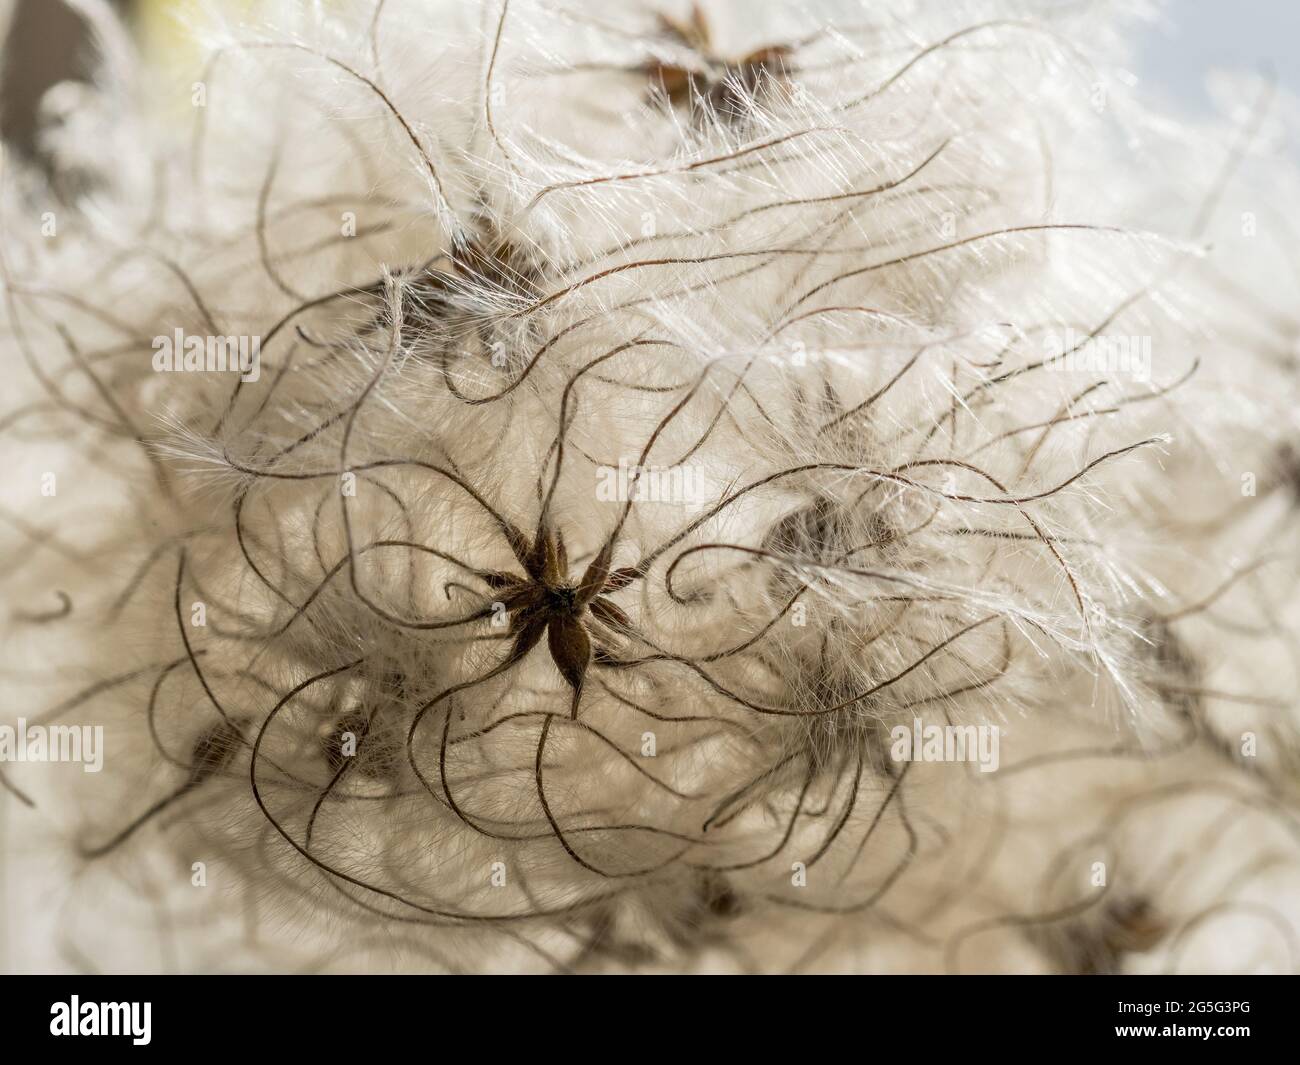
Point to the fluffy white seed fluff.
(878, 363)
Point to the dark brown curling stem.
(212, 752)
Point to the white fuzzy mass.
(653, 421)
